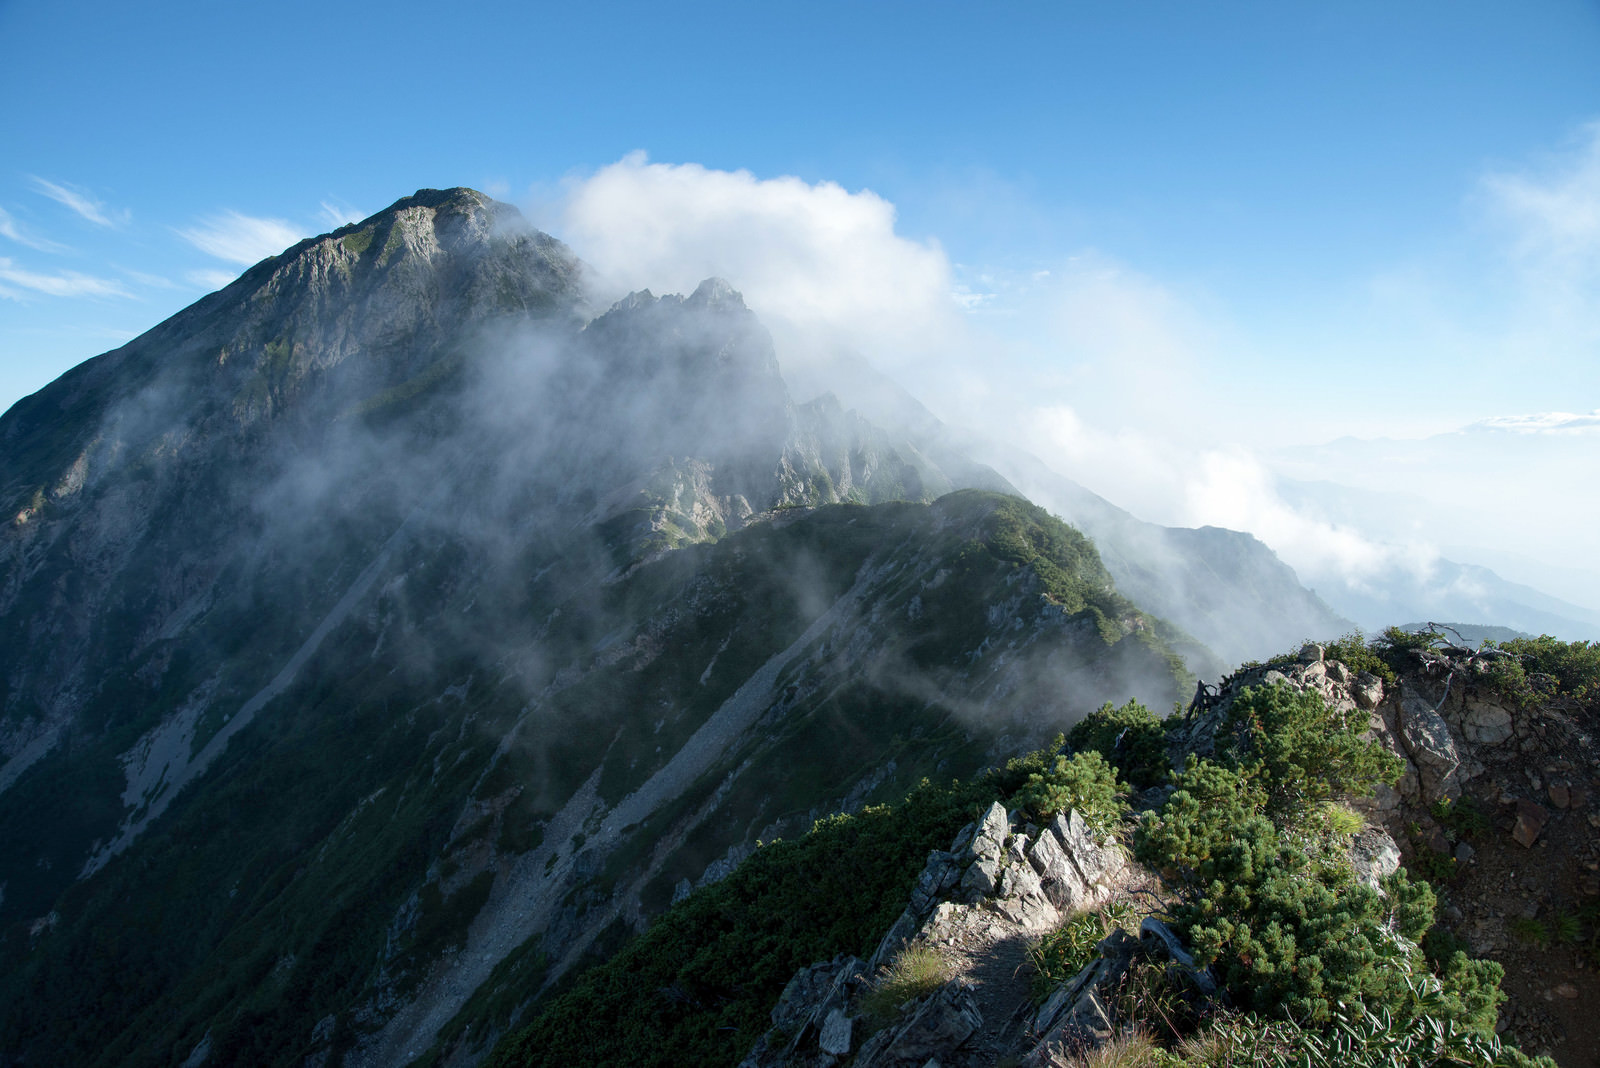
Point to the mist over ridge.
(400, 616)
(391, 631)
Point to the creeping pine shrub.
(1543, 668)
(1292, 937)
(1300, 752)
(1084, 782)
(1131, 737)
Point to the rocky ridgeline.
(978, 907)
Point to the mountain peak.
(716, 292)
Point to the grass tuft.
(918, 970)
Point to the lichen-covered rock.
(1098, 862)
(811, 1025)
(1079, 1015)
(904, 929)
(1374, 855)
(835, 1034)
(990, 836)
(939, 877)
(1020, 880)
(982, 879)
(1486, 722)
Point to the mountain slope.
(386, 632)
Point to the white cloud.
(63, 284)
(80, 201)
(1551, 214)
(1225, 485)
(154, 281)
(1232, 488)
(814, 258)
(338, 214)
(241, 239)
(1540, 423)
(209, 279)
(1558, 211)
(10, 229)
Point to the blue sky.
(1306, 221)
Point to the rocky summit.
(391, 637)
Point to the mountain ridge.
(336, 637)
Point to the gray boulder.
(1486, 723)
(938, 1028)
(1367, 689)
(1062, 884)
(1374, 855)
(1426, 738)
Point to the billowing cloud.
(9, 228)
(814, 257)
(80, 201)
(1223, 485)
(242, 239)
(62, 283)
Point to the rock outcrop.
(977, 907)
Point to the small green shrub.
(1130, 737)
(1529, 930)
(1083, 781)
(1355, 652)
(1463, 818)
(1064, 952)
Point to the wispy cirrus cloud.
(10, 228)
(239, 238)
(81, 201)
(337, 213)
(1557, 209)
(62, 284)
(209, 279)
(1540, 423)
(153, 281)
